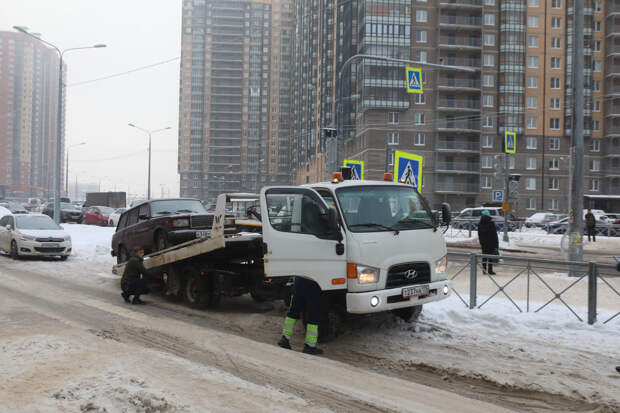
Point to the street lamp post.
(149, 132)
(59, 109)
(67, 168)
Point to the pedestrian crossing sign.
(414, 80)
(510, 142)
(408, 169)
(357, 168)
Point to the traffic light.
(498, 166)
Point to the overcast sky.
(137, 33)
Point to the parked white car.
(33, 235)
(115, 216)
(540, 219)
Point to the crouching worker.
(307, 296)
(135, 278)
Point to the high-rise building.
(28, 116)
(235, 96)
(609, 49)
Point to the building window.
(556, 43)
(556, 62)
(597, 26)
(532, 102)
(554, 144)
(418, 118)
(530, 184)
(530, 163)
(597, 66)
(420, 36)
(554, 123)
(532, 62)
(598, 7)
(597, 46)
(596, 85)
(555, 103)
(532, 41)
(489, 2)
(596, 125)
(554, 204)
(554, 184)
(532, 122)
(556, 4)
(594, 185)
(421, 56)
(487, 141)
(487, 101)
(488, 81)
(489, 19)
(419, 99)
(533, 3)
(511, 162)
(393, 118)
(488, 60)
(532, 21)
(555, 83)
(595, 145)
(532, 82)
(531, 204)
(419, 139)
(486, 182)
(421, 16)
(595, 165)
(556, 22)
(530, 142)
(489, 39)
(488, 122)
(554, 164)
(393, 138)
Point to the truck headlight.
(367, 275)
(441, 265)
(180, 223)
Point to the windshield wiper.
(187, 210)
(163, 213)
(418, 220)
(374, 224)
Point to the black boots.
(137, 300)
(312, 350)
(284, 343)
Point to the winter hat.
(487, 213)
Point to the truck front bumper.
(392, 299)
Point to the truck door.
(299, 240)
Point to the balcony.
(457, 166)
(385, 83)
(453, 145)
(510, 27)
(452, 84)
(459, 105)
(461, 43)
(460, 61)
(612, 171)
(461, 22)
(460, 4)
(456, 187)
(445, 125)
(612, 91)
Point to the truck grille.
(408, 274)
(50, 240)
(201, 221)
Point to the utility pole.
(575, 213)
(506, 193)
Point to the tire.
(14, 250)
(199, 290)
(330, 326)
(161, 241)
(408, 314)
(121, 255)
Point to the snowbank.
(90, 243)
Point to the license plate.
(202, 234)
(415, 291)
(51, 245)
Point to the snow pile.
(90, 243)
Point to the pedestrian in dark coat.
(135, 278)
(487, 236)
(591, 225)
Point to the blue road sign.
(357, 168)
(498, 195)
(408, 169)
(510, 142)
(414, 80)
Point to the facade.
(234, 96)
(521, 55)
(28, 117)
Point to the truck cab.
(371, 246)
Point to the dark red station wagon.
(157, 224)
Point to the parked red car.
(97, 215)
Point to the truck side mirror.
(446, 213)
(332, 220)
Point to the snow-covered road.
(69, 332)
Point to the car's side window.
(132, 217)
(143, 211)
(4, 221)
(122, 222)
(297, 211)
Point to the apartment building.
(234, 96)
(610, 104)
(28, 116)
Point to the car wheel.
(161, 241)
(14, 250)
(121, 256)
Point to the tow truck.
(371, 246)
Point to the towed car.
(33, 235)
(68, 212)
(155, 225)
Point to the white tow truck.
(371, 246)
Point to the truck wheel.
(199, 290)
(408, 314)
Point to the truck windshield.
(177, 206)
(383, 208)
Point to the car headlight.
(441, 265)
(24, 237)
(67, 238)
(367, 275)
(180, 223)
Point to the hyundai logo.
(410, 274)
